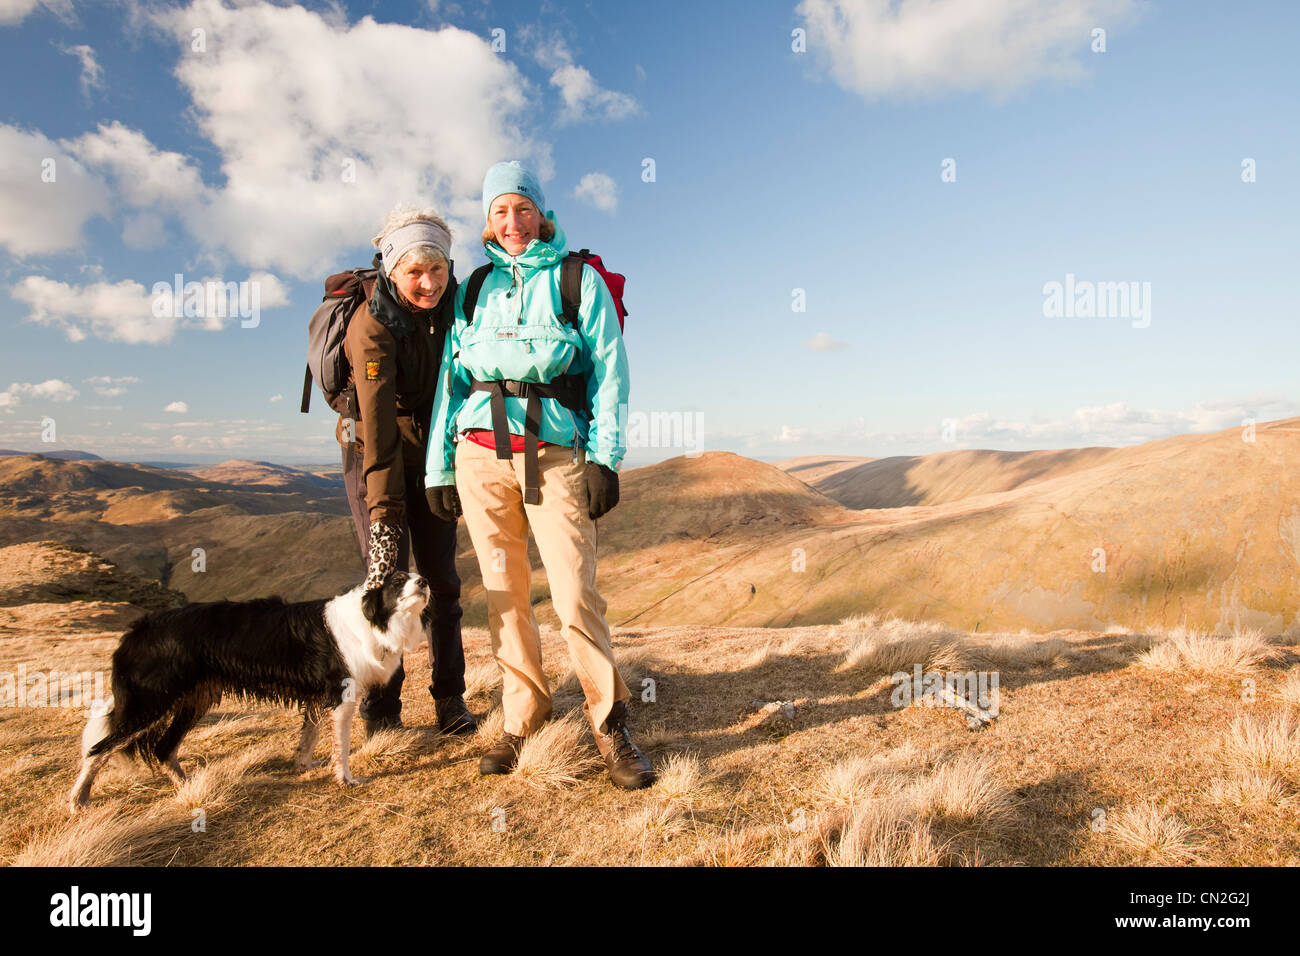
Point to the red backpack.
(570, 286)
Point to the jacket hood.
(538, 254)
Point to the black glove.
(602, 489)
(444, 502)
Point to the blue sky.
(924, 326)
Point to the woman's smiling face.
(421, 283)
(515, 221)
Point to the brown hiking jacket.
(395, 381)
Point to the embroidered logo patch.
(507, 333)
(372, 371)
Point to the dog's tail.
(98, 727)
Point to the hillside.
(935, 479)
(1107, 749)
(1197, 530)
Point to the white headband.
(419, 233)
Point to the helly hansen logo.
(507, 333)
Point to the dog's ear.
(372, 606)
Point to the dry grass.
(106, 836)
(897, 810)
(214, 786)
(1250, 790)
(881, 833)
(1290, 691)
(964, 789)
(679, 777)
(1198, 652)
(657, 821)
(898, 645)
(1023, 651)
(481, 677)
(558, 755)
(1266, 744)
(1154, 836)
(856, 781)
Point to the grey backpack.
(327, 362)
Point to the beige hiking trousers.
(498, 519)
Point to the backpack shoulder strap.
(571, 284)
(472, 288)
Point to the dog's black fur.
(172, 666)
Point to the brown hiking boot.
(503, 755)
(628, 767)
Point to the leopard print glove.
(383, 553)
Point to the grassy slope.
(1084, 726)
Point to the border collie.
(173, 665)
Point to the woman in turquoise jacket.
(527, 434)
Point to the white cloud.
(598, 190)
(118, 312)
(128, 312)
(143, 175)
(15, 11)
(92, 74)
(177, 408)
(299, 102)
(110, 387)
(1116, 424)
(584, 98)
(51, 390)
(823, 342)
(276, 398)
(878, 48)
(39, 216)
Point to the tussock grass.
(490, 727)
(1022, 651)
(659, 820)
(558, 755)
(390, 742)
(964, 789)
(107, 836)
(896, 810)
(1290, 691)
(1249, 790)
(214, 785)
(883, 832)
(1154, 836)
(746, 846)
(859, 622)
(1200, 652)
(898, 645)
(1268, 744)
(855, 780)
(656, 734)
(482, 677)
(679, 777)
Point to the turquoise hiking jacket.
(519, 333)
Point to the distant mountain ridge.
(1198, 530)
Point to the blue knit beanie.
(511, 177)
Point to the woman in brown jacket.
(394, 345)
